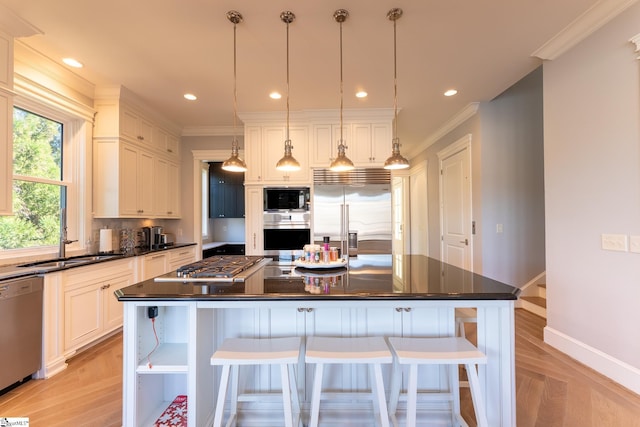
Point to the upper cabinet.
(135, 161)
(226, 192)
(314, 135)
(264, 147)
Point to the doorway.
(455, 204)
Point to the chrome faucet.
(64, 242)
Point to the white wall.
(592, 186)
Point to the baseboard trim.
(620, 372)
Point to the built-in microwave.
(286, 199)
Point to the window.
(38, 187)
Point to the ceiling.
(161, 49)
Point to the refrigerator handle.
(345, 250)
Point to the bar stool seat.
(451, 351)
(235, 352)
(372, 351)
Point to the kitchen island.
(376, 295)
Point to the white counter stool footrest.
(451, 351)
(235, 352)
(372, 351)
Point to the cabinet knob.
(140, 138)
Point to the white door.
(455, 203)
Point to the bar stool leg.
(476, 395)
(396, 380)
(286, 395)
(377, 386)
(412, 395)
(315, 395)
(222, 392)
(293, 386)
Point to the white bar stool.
(249, 351)
(452, 351)
(372, 351)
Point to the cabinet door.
(161, 190)
(253, 153)
(173, 200)
(83, 315)
(216, 190)
(112, 308)
(154, 265)
(323, 150)
(381, 136)
(360, 145)
(253, 223)
(128, 180)
(273, 143)
(145, 183)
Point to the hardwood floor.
(552, 389)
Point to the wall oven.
(285, 233)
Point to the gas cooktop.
(219, 268)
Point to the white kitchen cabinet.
(154, 264)
(165, 189)
(166, 143)
(370, 144)
(254, 236)
(264, 146)
(136, 181)
(324, 143)
(135, 127)
(181, 256)
(91, 309)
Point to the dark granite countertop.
(13, 271)
(371, 277)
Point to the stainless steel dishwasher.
(20, 329)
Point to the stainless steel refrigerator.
(354, 210)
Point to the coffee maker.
(152, 237)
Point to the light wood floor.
(552, 389)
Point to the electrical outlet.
(499, 228)
(615, 242)
(634, 244)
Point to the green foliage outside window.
(37, 154)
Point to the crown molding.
(212, 131)
(636, 40)
(462, 116)
(14, 25)
(583, 26)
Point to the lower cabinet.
(91, 309)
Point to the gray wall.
(513, 182)
(507, 183)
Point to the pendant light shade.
(234, 163)
(341, 163)
(396, 161)
(288, 163)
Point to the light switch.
(615, 242)
(634, 244)
(498, 228)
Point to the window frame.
(76, 174)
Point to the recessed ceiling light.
(190, 96)
(72, 62)
(275, 95)
(450, 92)
(361, 94)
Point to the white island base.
(189, 332)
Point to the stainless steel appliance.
(286, 232)
(21, 332)
(218, 269)
(354, 209)
(286, 199)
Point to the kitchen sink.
(67, 262)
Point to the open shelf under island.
(404, 295)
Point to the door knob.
(465, 241)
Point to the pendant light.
(341, 163)
(396, 161)
(287, 163)
(234, 163)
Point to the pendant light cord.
(235, 90)
(341, 87)
(288, 141)
(395, 84)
